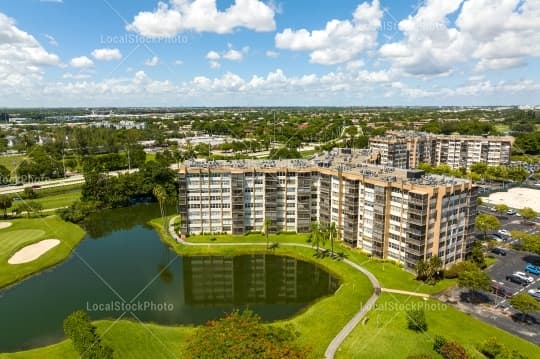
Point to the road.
(348, 328)
(72, 180)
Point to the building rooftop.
(353, 162)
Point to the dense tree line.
(84, 337)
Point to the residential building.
(388, 212)
(407, 149)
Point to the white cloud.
(22, 58)
(203, 16)
(213, 55)
(340, 41)
(154, 61)
(179, 62)
(430, 47)
(52, 41)
(214, 65)
(272, 54)
(493, 34)
(233, 55)
(106, 54)
(81, 62)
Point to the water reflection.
(254, 279)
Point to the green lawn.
(26, 231)
(53, 201)
(11, 161)
(385, 335)
(148, 341)
(389, 274)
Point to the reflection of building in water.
(253, 279)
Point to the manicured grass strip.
(388, 273)
(385, 334)
(11, 161)
(27, 231)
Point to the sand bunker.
(517, 198)
(5, 225)
(33, 251)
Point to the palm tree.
(317, 235)
(332, 234)
(266, 229)
(161, 195)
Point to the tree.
(5, 175)
(266, 230)
(477, 255)
(475, 280)
(486, 222)
(332, 234)
(501, 208)
(242, 335)
(528, 213)
(83, 335)
(30, 207)
(161, 195)
(316, 235)
(525, 303)
(429, 271)
(416, 320)
(5, 203)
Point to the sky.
(89, 53)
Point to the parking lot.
(500, 313)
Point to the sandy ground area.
(33, 251)
(516, 198)
(5, 225)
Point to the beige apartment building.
(407, 149)
(393, 213)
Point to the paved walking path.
(404, 292)
(348, 328)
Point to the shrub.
(456, 269)
(491, 348)
(453, 350)
(439, 343)
(81, 331)
(416, 320)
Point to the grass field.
(385, 335)
(27, 231)
(11, 161)
(53, 201)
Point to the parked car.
(517, 279)
(499, 251)
(499, 289)
(523, 275)
(504, 232)
(511, 212)
(492, 209)
(531, 268)
(535, 293)
(494, 237)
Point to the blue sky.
(255, 52)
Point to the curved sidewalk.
(348, 328)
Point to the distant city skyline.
(205, 53)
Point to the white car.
(524, 276)
(504, 232)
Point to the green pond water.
(123, 269)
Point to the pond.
(122, 268)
